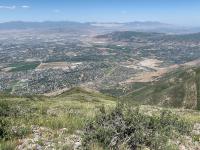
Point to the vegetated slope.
(185, 37)
(47, 122)
(128, 128)
(180, 88)
(39, 122)
(130, 35)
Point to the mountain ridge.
(180, 89)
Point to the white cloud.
(12, 7)
(25, 6)
(56, 10)
(7, 7)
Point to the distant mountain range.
(41, 25)
(149, 26)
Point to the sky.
(179, 12)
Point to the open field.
(58, 65)
(22, 66)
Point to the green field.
(23, 66)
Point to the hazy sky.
(182, 12)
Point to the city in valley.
(42, 61)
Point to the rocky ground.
(43, 138)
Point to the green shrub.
(8, 131)
(4, 129)
(4, 108)
(20, 131)
(128, 126)
(7, 108)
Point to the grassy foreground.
(70, 110)
(58, 122)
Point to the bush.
(7, 109)
(4, 108)
(20, 131)
(4, 129)
(8, 131)
(129, 127)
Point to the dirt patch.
(55, 93)
(7, 69)
(58, 65)
(150, 63)
(150, 76)
(192, 63)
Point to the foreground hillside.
(44, 121)
(68, 121)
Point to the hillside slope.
(180, 88)
(39, 122)
(59, 122)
